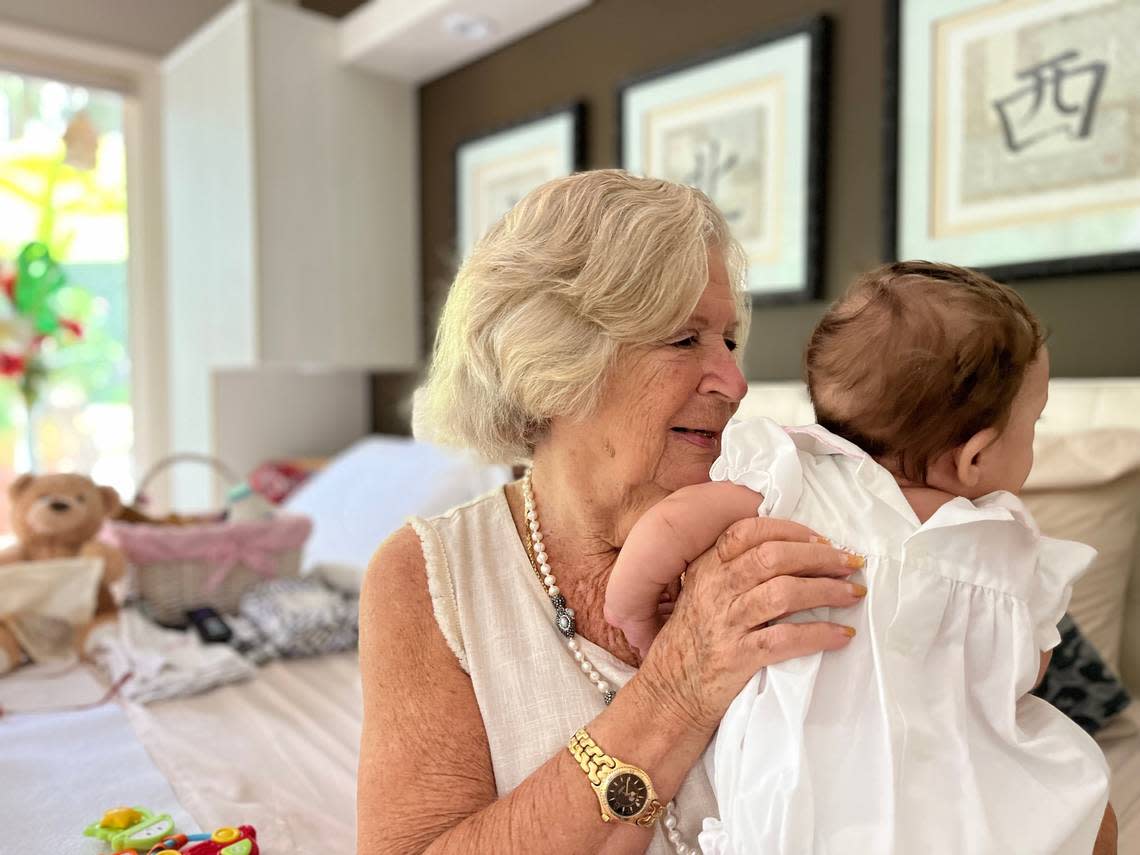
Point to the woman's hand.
(718, 635)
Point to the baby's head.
(938, 372)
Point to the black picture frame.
(818, 30)
(1049, 266)
(578, 115)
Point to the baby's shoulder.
(761, 455)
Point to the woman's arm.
(1106, 838)
(425, 781)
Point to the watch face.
(626, 794)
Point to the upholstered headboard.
(1074, 404)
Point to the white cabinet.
(291, 210)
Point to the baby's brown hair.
(918, 357)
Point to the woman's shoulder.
(477, 508)
(397, 567)
(405, 590)
(471, 529)
(414, 567)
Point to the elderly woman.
(595, 332)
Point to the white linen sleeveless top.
(499, 623)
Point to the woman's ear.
(968, 457)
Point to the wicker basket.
(176, 568)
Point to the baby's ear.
(968, 457)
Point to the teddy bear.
(59, 516)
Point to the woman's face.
(663, 410)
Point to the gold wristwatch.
(624, 792)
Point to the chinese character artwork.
(1060, 96)
(1016, 139)
(1045, 119)
(745, 126)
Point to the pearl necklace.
(564, 622)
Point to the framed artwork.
(496, 169)
(1013, 138)
(746, 126)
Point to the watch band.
(590, 757)
(600, 767)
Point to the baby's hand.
(640, 630)
(639, 633)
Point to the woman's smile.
(699, 437)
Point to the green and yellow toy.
(131, 828)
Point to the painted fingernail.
(849, 631)
(858, 590)
(854, 561)
(818, 538)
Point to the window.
(63, 182)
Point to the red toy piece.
(228, 841)
(169, 844)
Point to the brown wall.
(1095, 319)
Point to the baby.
(921, 735)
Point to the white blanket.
(59, 772)
(163, 663)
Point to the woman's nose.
(723, 377)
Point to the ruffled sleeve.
(759, 454)
(1059, 564)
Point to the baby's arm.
(659, 548)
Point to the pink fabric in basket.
(255, 543)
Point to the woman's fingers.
(744, 534)
(787, 595)
(773, 559)
(784, 641)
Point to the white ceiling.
(408, 39)
(145, 26)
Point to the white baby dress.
(919, 736)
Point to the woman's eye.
(730, 343)
(686, 342)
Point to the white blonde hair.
(578, 269)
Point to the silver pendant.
(564, 621)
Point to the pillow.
(368, 491)
(1085, 486)
(1079, 683)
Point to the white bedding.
(59, 772)
(278, 752)
(293, 734)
